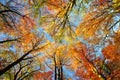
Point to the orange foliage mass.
(43, 75)
(87, 70)
(110, 52)
(101, 2)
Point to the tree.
(100, 21)
(46, 38)
(22, 34)
(112, 61)
(84, 62)
(56, 59)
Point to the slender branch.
(114, 24)
(21, 67)
(28, 74)
(3, 11)
(9, 40)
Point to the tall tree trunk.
(61, 73)
(55, 78)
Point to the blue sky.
(3, 1)
(46, 34)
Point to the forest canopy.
(59, 39)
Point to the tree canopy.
(60, 39)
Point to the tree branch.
(15, 62)
(9, 40)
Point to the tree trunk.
(61, 73)
(55, 78)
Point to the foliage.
(52, 39)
